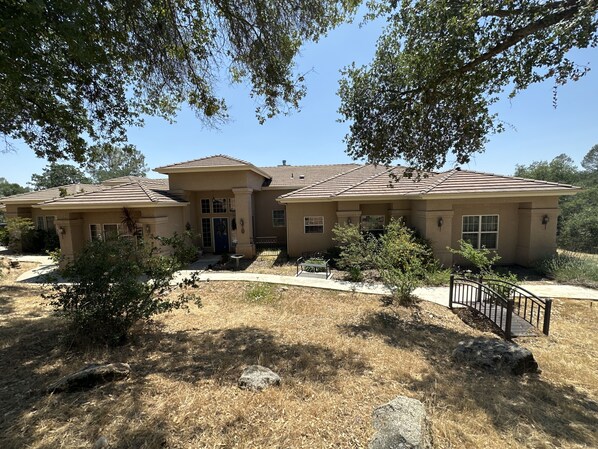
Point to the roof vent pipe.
(284, 162)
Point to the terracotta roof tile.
(149, 191)
(369, 181)
(48, 194)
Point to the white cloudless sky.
(536, 130)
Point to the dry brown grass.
(339, 355)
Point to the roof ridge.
(310, 165)
(323, 180)
(149, 193)
(446, 176)
(209, 157)
(365, 180)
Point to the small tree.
(482, 259)
(116, 283)
(402, 261)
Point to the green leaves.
(75, 74)
(440, 64)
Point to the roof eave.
(173, 170)
(434, 196)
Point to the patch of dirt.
(476, 320)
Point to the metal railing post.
(479, 297)
(510, 307)
(451, 286)
(547, 309)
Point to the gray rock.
(91, 376)
(495, 356)
(101, 443)
(256, 377)
(401, 424)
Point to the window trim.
(118, 230)
(479, 232)
(284, 218)
(313, 216)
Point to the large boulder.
(91, 376)
(401, 424)
(495, 356)
(256, 377)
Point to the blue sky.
(537, 131)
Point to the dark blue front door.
(220, 235)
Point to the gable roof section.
(49, 194)
(219, 162)
(370, 182)
(147, 193)
(297, 176)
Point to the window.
(372, 223)
(110, 231)
(50, 223)
(480, 231)
(313, 225)
(206, 232)
(278, 219)
(205, 206)
(219, 205)
(45, 222)
(94, 232)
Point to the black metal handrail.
(490, 303)
(531, 308)
(481, 293)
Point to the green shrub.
(402, 261)
(571, 268)
(482, 259)
(19, 232)
(357, 249)
(114, 284)
(4, 239)
(261, 293)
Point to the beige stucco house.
(235, 206)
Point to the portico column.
(70, 235)
(244, 219)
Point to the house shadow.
(560, 411)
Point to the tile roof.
(125, 179)
(218, 160)
(294, 176)
(147, 192)
(370, 181)
(48, 194)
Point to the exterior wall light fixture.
(440, 222)
(545, 220)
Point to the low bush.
(116, 283)
(21, 236)
(402, 261)
(356, 250)
(571, 268)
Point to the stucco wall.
(221, 180)
(298, 242)
(265, 202)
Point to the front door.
(220, 235)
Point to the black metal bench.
(313, 268)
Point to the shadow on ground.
(560, 411)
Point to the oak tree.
(441, 64)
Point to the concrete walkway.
(437, 295)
